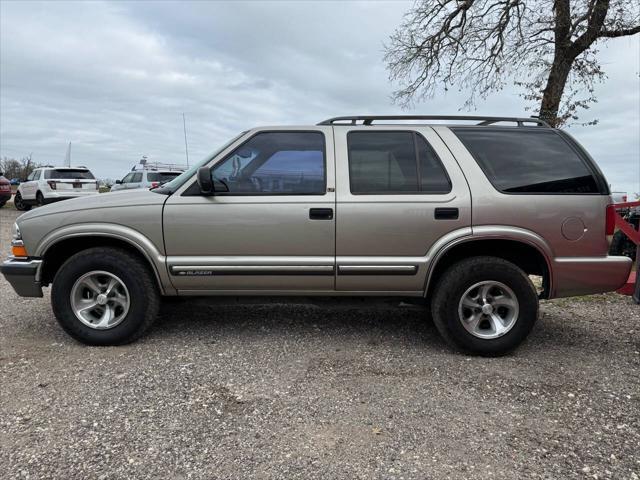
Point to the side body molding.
(126, 234)
(495, 232)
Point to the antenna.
(186, 147)
(67, 157)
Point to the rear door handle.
(446, 213)
(321, 213)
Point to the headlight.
(15, 232)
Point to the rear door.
(270, 225)
(399, 191)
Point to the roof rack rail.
(369, 119)
(159, 166)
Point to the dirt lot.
(295, 391)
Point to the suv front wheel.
(484, 306)
(105, 296)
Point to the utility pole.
(186, 147)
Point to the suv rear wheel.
(19, 203)
(40, 199)
(105, 296)
(484, 306)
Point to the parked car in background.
(352, 206)
(15, 181)
(148, 175)
(5, 190)
(50, 184)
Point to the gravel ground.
(296, 391)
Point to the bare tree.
(19, 169)
(548, 47)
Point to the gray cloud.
(114, 78)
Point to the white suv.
(145, 179)
(50, 184)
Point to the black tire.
(621, 245)
(132, 271)
(19, 203)
(40, 199)
(463, 275)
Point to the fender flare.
(495, 232)
(125, 234)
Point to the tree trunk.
(552, 93)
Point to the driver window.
(127, 178)
(274, 163)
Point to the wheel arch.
(528, 255)
(55, 251)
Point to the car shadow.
(205, 318)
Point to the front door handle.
(321, 213)
(446, 213)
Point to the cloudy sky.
(114, 78)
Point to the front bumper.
(586, 275)
(23, 275)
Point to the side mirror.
(119, 182)
(204, 180)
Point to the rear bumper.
(62, 195)
(574, 276)
(23, 275)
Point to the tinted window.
(161, 176)
(68, 174)
(275, 163)
(433, 177)
(394, 162)
(528, 161)
(137, 177)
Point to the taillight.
(610, 223)
(52, 185)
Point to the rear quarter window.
(162, 176)
(529, 160)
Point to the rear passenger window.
(528, 161)
(394, 163)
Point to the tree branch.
(596, 22)
(619, 33)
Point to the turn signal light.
(18, 251)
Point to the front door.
(400, 191)
(270, 226)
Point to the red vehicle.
(5, 190)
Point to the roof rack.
(369, 119)
(158, 166)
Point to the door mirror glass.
(204, 180)
(118, 182)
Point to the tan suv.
(459, 214)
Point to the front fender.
(144, 245)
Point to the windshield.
(67, 174)
(170, 187)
